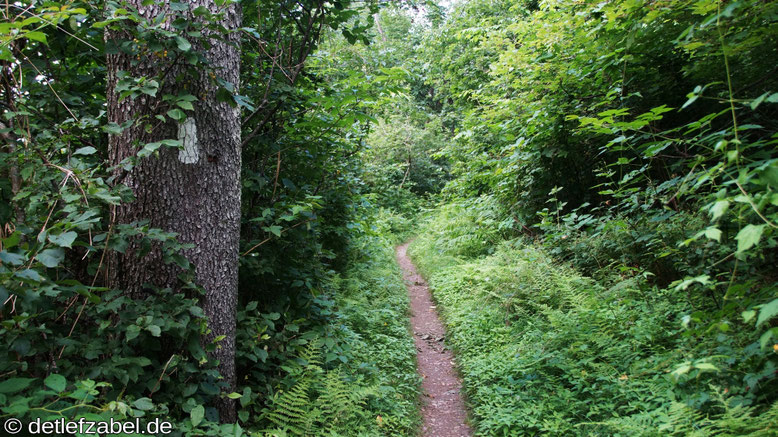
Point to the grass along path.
(443, 411)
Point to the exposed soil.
(443, 411)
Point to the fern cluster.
(318, 403)
(371, 387)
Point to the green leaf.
(275, 230)
(113, 128)
(11, 258)
(770, 174)
(149, 149)
(234, 395)
(200, 11)
(183, 44)
(183, 104)
(88, 150)
(149, 87)
(757, 101)
(706, 366)
(246, 397)
(155, 330)
(243, 415)
(36, 36)
(132, 332)
(14, 385)
(767, 336)
(64, 239)
(767, 312)
(718, 209)
(143, 404)
(748, 237)
(29, 274)
(56, 382)
(176, 114)
(51, 257)
(713, 234)
(681, 370)
(196, 415)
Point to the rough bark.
(194, 192)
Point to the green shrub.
(352, 374)
(546, 351)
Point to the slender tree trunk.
(193, 192)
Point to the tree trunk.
(193, 192)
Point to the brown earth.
(443, 410)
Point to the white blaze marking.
(187, 133)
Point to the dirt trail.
(443, 410)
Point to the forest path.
(443, 411)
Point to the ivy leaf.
(196, 415)
(748, 237)
(56, 382)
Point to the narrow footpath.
(443, 411)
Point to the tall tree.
(178, 57)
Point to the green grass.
(546, 351)
(375, 308)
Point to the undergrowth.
(360, 380)
(544, 350)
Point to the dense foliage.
(603, 251)
(636, 142)
(546, 351)
(74, 347)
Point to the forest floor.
(443, 410)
